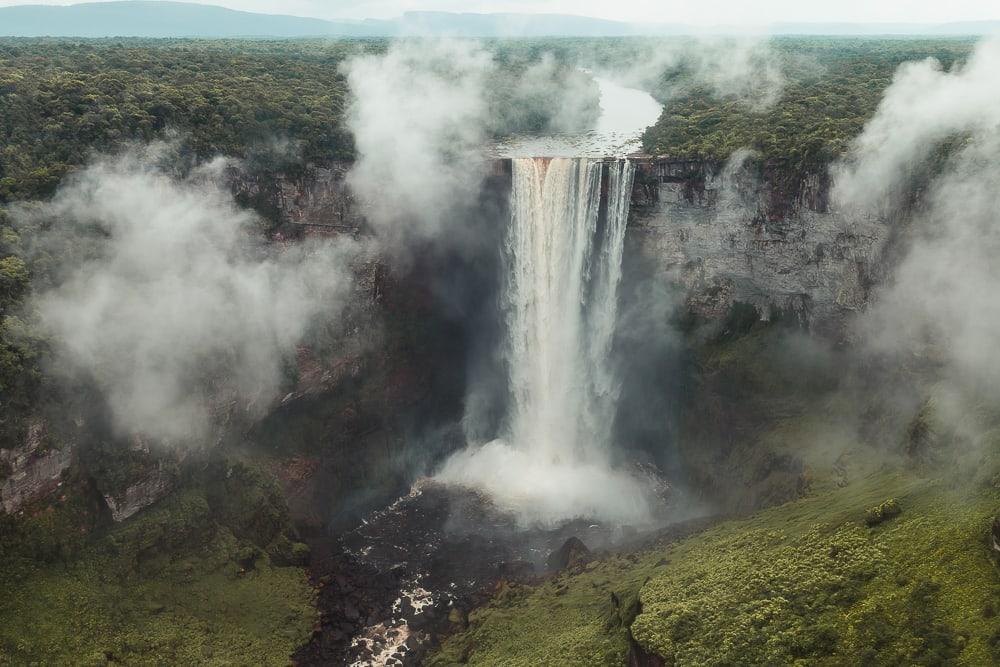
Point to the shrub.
(883, 512)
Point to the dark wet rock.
(518, 569)
(139, 495)
(416, 567)
(623, 609)
(572, 552)
(639, 657)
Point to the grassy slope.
(807, 581)
(161, 588)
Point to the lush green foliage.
(173, 585)
(805, 583)
(61, 100)
(20, 346)
(741, 607)
(882, 512)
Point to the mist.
(746, 69)
(163, 298)
(936, 132)
(417, 115)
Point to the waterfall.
(562, 263)
(562, 271)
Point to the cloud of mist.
(549, 494)
(746, 68)
(162, 297)
(546, 96)
(418, 114)
(924, 106)
(940, 308)
(422, 115)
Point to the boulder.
(155, 485)
(572, 552)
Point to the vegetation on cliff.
(804, 582)
(195, 579)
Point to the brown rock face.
(140, 495)
(33, 471)
(572, 552)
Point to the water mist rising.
(562, 264)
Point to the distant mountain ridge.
(147, 18)
(161, 18)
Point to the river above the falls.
(625, 115)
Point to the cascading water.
(560, 298)
(562, 263)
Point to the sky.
(700, 12)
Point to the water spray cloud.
(162, 296)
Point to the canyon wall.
(764, 235)
(757, 234)
(751, 234)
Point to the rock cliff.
(756, 235)
(33, 470)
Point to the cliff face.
(32, 471)
(315, 197)
(757, 235)
(355, 387)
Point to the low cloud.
(161, 295)
(747, 68)
(418, 115)
(939, 309)
(925, 106)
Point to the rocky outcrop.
(315, 197)
(639, 657)
(572, 552)
(755, 235)
(139, 495)
(32, 471)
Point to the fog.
(938, 131)
(162, 297)
(418, 113)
